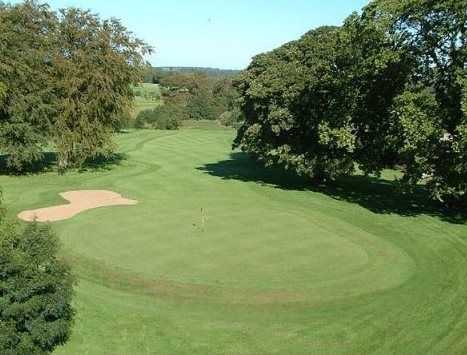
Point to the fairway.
(222, 256)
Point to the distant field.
(222, 256)
(147, 96)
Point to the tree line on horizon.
(154, 74)
(192, 95)
(387, 88)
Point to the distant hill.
(208, 71)
(153, 74)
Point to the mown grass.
(222, 256)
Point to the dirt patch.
(79, 201)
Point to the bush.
(162, 117)
(36, 288)
(124, 122)
(164, 122)
(200, 106)
(233, 118)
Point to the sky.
(217, 33)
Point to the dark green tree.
(26, 81)
(36, 289)
(96, 63)
(430, 116)
(167, 117)
(200, 106)
(388, 87)
(379, 71)
(66, 79)
(224, 97)
(319, 104)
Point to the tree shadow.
(103, 163)
(375, 194)
(124, 130)
(48, 163)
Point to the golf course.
(224, 256)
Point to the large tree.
(431, 120)
(66, 79)
(26, 81)
(95, 65)
(317, 104)
(36, 289)
(291, 116)
(387, 87)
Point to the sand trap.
(79, 201)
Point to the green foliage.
(435, 36)
(147, 92)
(36, 289)
(293, 115)
(68, 79)
(233, 118)
(419, 130)
(125, 121)
(211, 72)
(378, 73)
(163, 117)
(200, 106)
(203, 97)
(98, 61)
(3, 90)
(388, 87)
(224, 96)
(147, 96)
(191, 82)
(27, 85)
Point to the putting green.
(221, 256)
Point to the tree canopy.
(430, 111)
(27, 110)
(66, 78)
(387, 87)
(36, 289)
(197, 95)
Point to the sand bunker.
(79, 201)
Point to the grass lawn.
(222, 256)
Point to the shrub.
(233, 118)
(200, 106)
(162, 117)
(36, 289)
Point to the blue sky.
(217, 33)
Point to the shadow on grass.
(102, 163)
(375, 194)
(48, 163)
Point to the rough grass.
(270, 266)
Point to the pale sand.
(79, 201)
